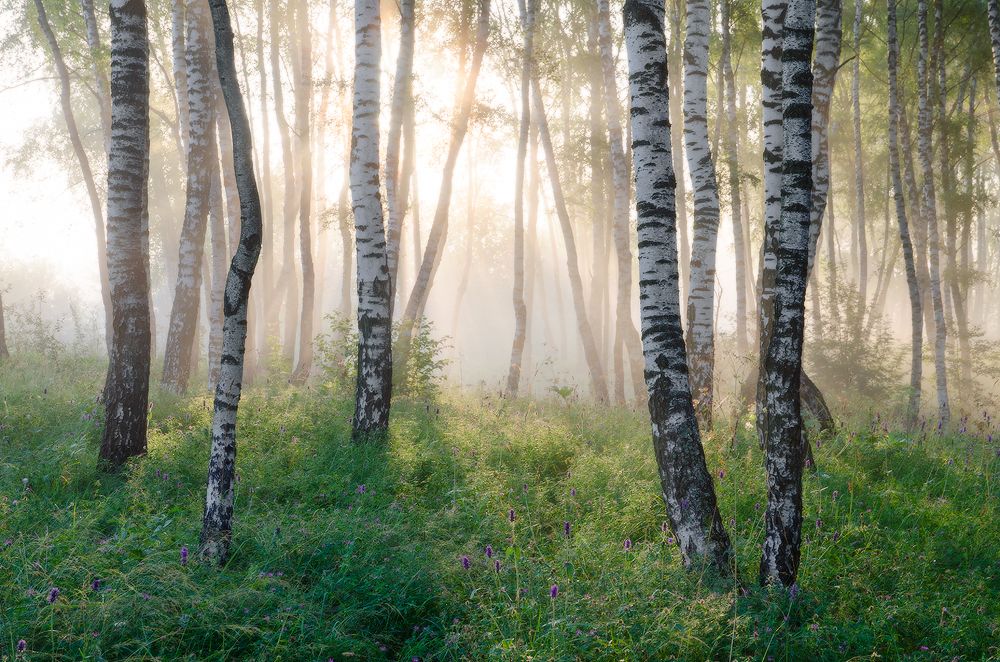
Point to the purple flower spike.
(511, 515)
(96, 585)
(554, 591)
(489, 551)
(184, 555)
(722, 474)
(53, 594)
(567, 528)
(22, 645)
(496, 565)
(572, 491)
(361, 489)
(627, 544)
(466, 563)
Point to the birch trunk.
(930, 210)
(784, 449)
(200, 150)
(101, 85)
(178, 50)
(626, 336)
(220, 258)
(912, 284)
(267, 311)
(527, 10)
(303, 107)
(599, 287)
(126, 393)
(859, 176)
(374, 381)
(81, 156)
(675, 70)
(701, 296)
(686, 484)
(216, 527)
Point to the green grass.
(905, 555)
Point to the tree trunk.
(374, 381)
(686, 484)
(701, 296)
(216, 527)
(84, 162)
(4, 352)
(675, 72)
(126, 393)
(626, 336)
(599, 151)
(201, 149)
(859, 176)
(916, 312)
(527, 8)
(220, 259)
(930, 211)
(101, 89)
(783, 441)
(303, 107)
(735, 202)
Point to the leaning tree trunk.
(783, 447)
(598, 382)
(374, 381)
(216, 526)
(303, 95)
(201, 148)
(733, 162)
(701, 296)
(930, 211)
(527, 8)
(626, 336)
(84, 162)
(687, 486)
(126, 393)
(913, 286)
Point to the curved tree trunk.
(201, 148)
(83, 161)
(783, 447)
(686, 484)
(216, 527)
(126, 393)
(374, 382)
(303, 107)
(701, 296)
(916, 312)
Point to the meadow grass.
(376, 552)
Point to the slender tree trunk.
(215, 290)
(101, 89)
(599, 150)
(930, 210)
(303, 107)
(598, 381)
(825, 65)
(81, 156)
(783, 447)
(216, 527)
(686, 484)
(527, 8)
(859, 176)
(126, 393)
(402, 100)
(626, 336)
(675, 70)
(201, 149)
(374, 384)
(701, 296)
(735, 202)
(913, 286)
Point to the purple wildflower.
(53, 594)
(793, 591)
(670, 540)
(511, 515)
(361, 489)
(627, 544)
(489, 551)
(466, 563)
(184, 555)
(22, 645)
(567, 527)
(496, 565)
(554, 591)
(722, 474)
(95, 585)
(572, 491)
(819, 523)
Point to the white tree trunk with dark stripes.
(374, 379)
(701, 296)
(686, 484)
(929, 202)
(126, 393)
(200, 149)
(899, 196)
(216, 527)
(784, 454)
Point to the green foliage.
(356, 552)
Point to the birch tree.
(374, 380)
(303, 108)
(182, 329)
(701, 295)
(859, 169)
(216, 528)
(899, 197)
(783, 439)
(687, 487)
(126, 392)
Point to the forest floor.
(359, 552)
